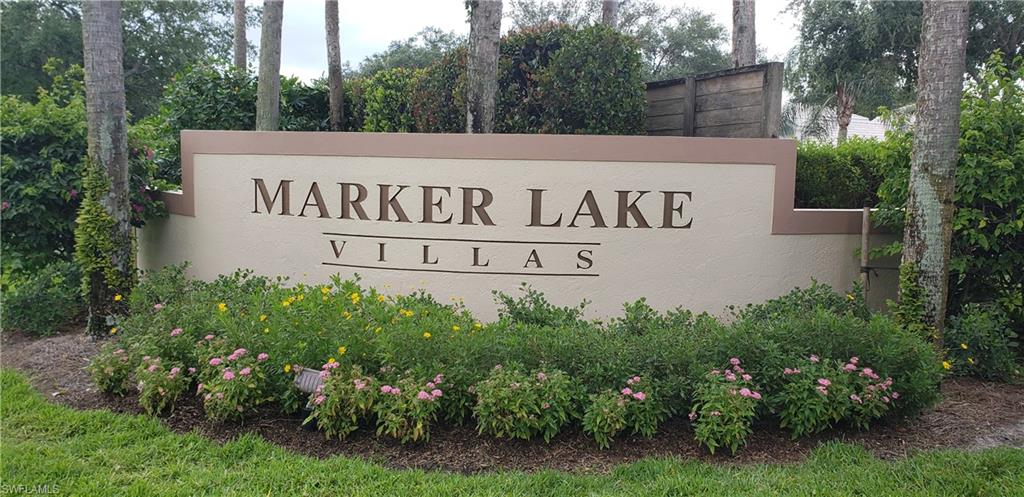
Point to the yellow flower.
(455, 327)
(377, 330)
(266, 330)
(970, 360)
(222, 307)
(342, 350)
(287, 368)
(113, 331)
(946, 365)
(426, 334)
(380, 298)
(409, 314)
(347, 315)
(325, 290)
(263, 317)
(117, 298)
(286, 303)
(330, 360)
(300, 296)
(849, 296)
(355, 297)
(477, 325)
(963, 346)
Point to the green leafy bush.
(438, 100)
(525, 55)
(111, 369)
(532, 308)
(724, 407)
(215, 96)
(843, 176)
(818, 393)
(514, 404)
(986, 262)
(802, 300)
(387, 96)
(233, 385)
(160, 384)
(406, 410)
(980, 342)
(44, 147)
(635, 406)
(46, 301)
(593, 85)
(342, 400)
(557, 79)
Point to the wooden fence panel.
(745, 102)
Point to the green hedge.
(388, 100)
(844, 176)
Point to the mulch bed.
(973, 415)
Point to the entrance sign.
(693, 222)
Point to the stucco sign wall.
(692, 222)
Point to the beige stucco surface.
(727, 256)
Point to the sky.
(368, 26)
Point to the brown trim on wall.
(774, 152)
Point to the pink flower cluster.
(735, 372)
(390, 390)
(359, 383)
(789, 371)
(175, 332)
(628, 392)
(325, 370)
(823, 384)
(237, 354)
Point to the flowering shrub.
(633, 406)
(820, 392)
(342, 400)
(980, 342)
(406, 410)
(724, 407)
(111, 369)
(398, 339)
(233, 385)
(159, 385)
(514, 404)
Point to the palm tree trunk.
(336, 95)
(482, 71)
(744, 42)
(268, 90)
(107, 125)
(610, 13)
(844, 111)
(240, 42)
(928, 231)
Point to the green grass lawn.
(95, 453)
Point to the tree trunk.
(744, 42)
(482, 71)
(107, 139)
(336, 94)
(240, 42)
(268, 91)
(610, 13)
(844, 111)
(928, 231)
